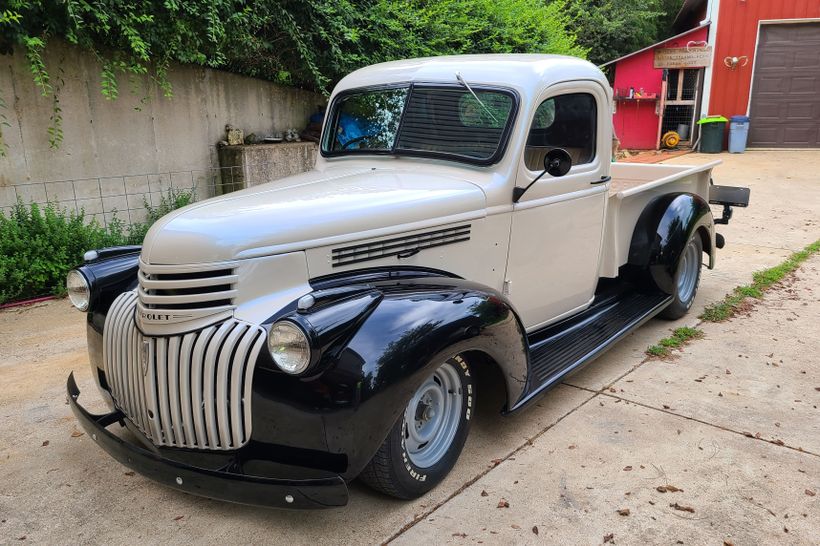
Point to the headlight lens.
(289, 347)
(78, 290)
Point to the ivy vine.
(304, 43)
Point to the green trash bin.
(711, 134)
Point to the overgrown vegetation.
(612, 28)
(679, 338)
(305, 43)
(172, 199)
(309, 43)
(761, 282)
(40, 244)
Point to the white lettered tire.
(427, 439)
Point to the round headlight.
(78, 290)
(289, 347)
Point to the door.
(557, 226)
(680, 104)
(785, 102)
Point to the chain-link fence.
(122, 197)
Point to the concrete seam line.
(474, 479)
(720, 427)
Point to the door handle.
(603, 180)
(404, 254)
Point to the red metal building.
(759, 58)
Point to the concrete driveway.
(721, 443)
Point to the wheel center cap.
(425, 412)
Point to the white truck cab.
(464, 217)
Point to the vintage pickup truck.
(464, 218)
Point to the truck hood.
(309, 210)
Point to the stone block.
(251, 165)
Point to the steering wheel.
(352, 141)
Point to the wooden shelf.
(638, 99)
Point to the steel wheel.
(432, 417)
(689, 271)
(687, 279)
(428, 435)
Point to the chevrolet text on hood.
(463, 219)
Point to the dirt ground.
(732, 421)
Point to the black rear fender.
(662, 231)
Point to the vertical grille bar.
(109, 362)
(196, 385)
(257, 346)
(129, 336)
(120, 358)
(209, 382)
(191, 390)
(236, 386)
(151, 391)
(173, 390)
(222, 385)
(162, 388)
(185, 388)
(139, 382)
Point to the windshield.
(419, 120)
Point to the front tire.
(687, 279)
(426, 441)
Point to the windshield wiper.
(470, 89)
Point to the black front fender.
(366, 376)
(108, 276)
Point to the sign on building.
(683, 57)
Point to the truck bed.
(631, 178)
(633, 185)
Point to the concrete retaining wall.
(129, 140)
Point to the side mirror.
(557, 162)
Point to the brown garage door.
(785, 107)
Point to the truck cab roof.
(527, 73)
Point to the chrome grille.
(173, 287)
(191, 390)
(399, 245)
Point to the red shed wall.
(737, 36)
(635, 122)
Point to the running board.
(566, 346)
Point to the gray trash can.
(738, 133)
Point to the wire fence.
(123, 197)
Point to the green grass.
(679, 338)
(761, 282)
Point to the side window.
(566, 121)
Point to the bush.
(173, 199)
(40, 244)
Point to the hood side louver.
(399, 246)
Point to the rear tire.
(426, 441)
(687, 279)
